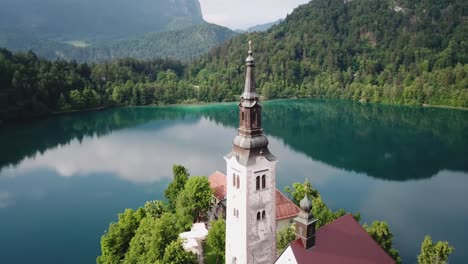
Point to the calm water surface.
(62, 180)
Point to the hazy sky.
(242, 14)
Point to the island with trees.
(150, 234)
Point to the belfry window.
(263, 214)
(257, 183)
(243, 116)
(233, 179)
(258, 216)
(238, 182)
(263, 181)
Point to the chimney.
(305, 224)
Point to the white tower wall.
(249, 240)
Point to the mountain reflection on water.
(388, 142)
(63, 179)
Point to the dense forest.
(85, 30)
(398, 52)
(89, 19)
(182, 44)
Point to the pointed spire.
(250, 90)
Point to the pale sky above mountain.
(242, 14)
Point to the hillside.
(85, 30)
(264, 27)
(399, 52)
(69, 20)
(183, 44)
(363, 50)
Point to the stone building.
(252, 204)
(250, 198)
(286, 210)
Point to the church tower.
(251, 184)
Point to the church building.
(250, 188)
(251, 184)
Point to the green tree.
(181, 176)
(299, 190)
(217, 239)
(196, 198)
(155, 208)
(175, 254)
(437, 253)
(321, 211)
(115, 242)
(380, 232)
(151, 238)
(283, 237)
(77, 100)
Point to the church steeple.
(250, 199)
(250, 142)
(250, 90)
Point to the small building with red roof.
(286, 210)
(341, 241)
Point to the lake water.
(64, 179)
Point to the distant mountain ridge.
(264, 27)
(85, 30)
(97, 19)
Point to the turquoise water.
(63, 179)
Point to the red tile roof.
(285, 208)
(341, 241)
(218, 184)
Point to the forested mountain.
(85, 30)
(96, 19)
(398, 52)
(264, 27)
(391, 51)
(183, 44)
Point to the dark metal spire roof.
(250, 143)
(306, 208)
(250, 90)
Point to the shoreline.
(101, 108)
(445, 107)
